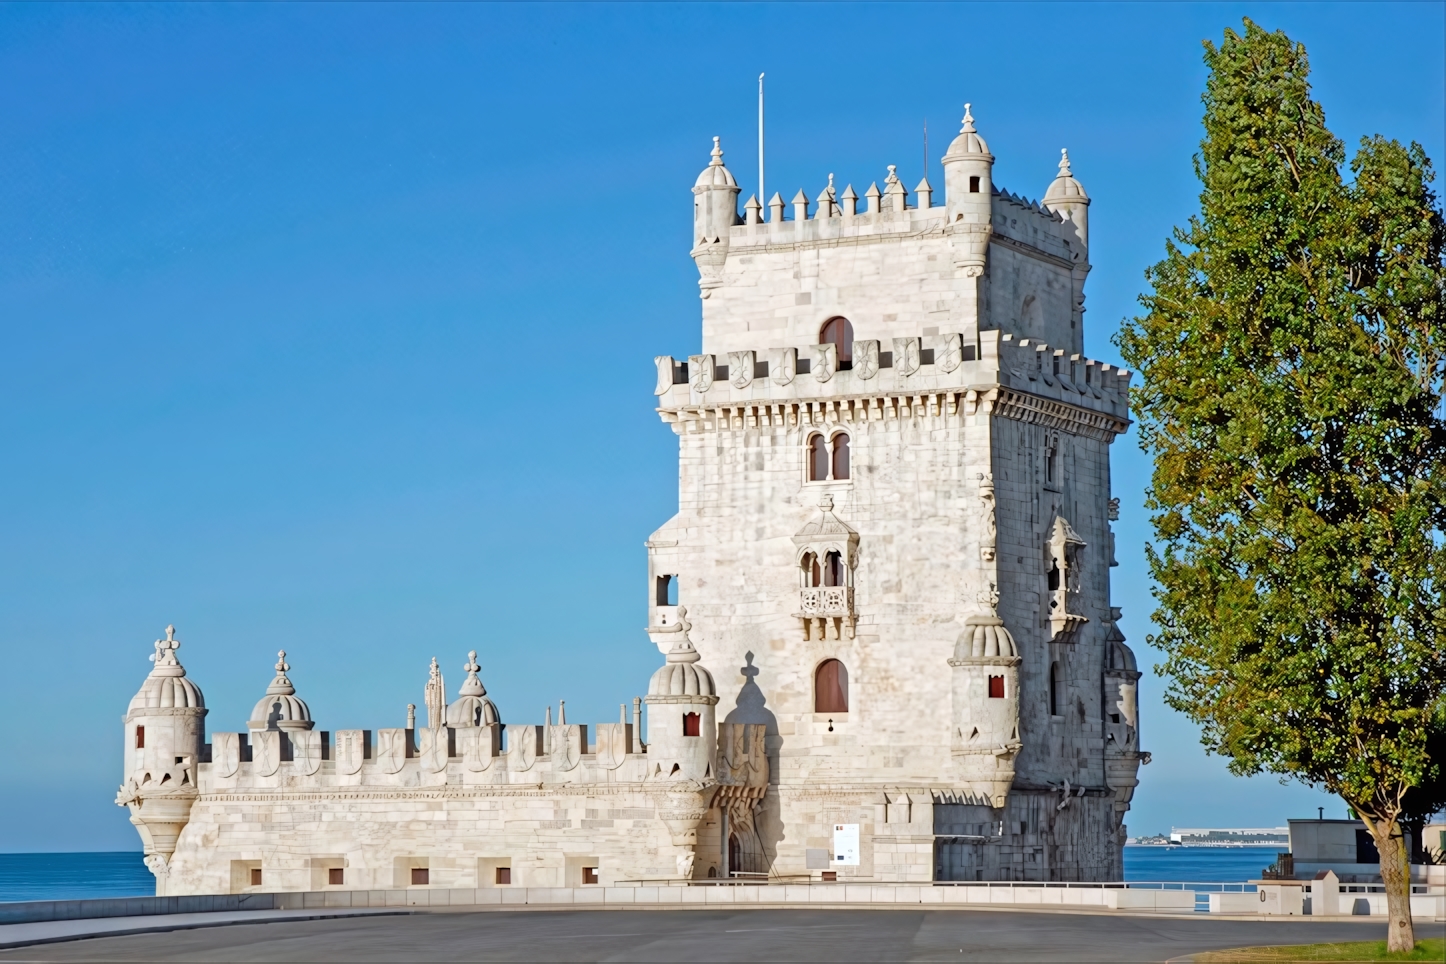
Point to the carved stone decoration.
(391, 750)
(477, 746)
(683, 807)
(158, 865)
(350, 751)
(613, 740)
(226, 753)
(866, 358)
(740, 368)
(523, 744)
(567, 746)
(433, 749)
(700, 372)
(1126, 702)
(710, 255)
(783, 366)
(435, 697)
(950, 353)
(906, 356)
(1065, 547)
(823, 361)
(665, 365)
(685, 865)
(988, 529)
(306, 751)
(266, 752)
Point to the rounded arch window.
(828, 458)
(839, 332)
(831, 687)
(812, 571)
(833, 572)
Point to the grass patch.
(1427, 949)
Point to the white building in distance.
(883, 606)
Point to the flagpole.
(762, 198)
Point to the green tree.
(1291, 361)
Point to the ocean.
(79, 876)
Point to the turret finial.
(281, 665)
(1064, 170)
(717, 153)
(165, 654)
(968, 127)
(990, 599)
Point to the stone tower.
(893, 539)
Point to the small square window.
(504, 876)
(1114, 717)
(589, 875)
(419, 876)
(335, 876)
(996, 687)
(255, 876)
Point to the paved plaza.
(757, 935)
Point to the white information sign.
(845, 845)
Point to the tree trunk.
(1396, 875)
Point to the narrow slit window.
(840, 456)
(996, 687)
(255, 876)
(1054, 689)
(831, 687)
(974, 184)
(690, 724)
(140, 738)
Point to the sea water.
(79, 876)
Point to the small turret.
(986, 704)
(715, 210)
(472, 707)
(682, 731)
(1067, 198)
(164, 732)
(968, 195)
(280, 708)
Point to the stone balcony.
(826, 611)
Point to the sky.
(330, 328)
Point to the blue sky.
(330, 327)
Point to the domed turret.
(681, 700)
(281, 708)
(1067, 198)
(715, 210)
(986, 704)
(969, 190)
(472, 707)
(165, 728)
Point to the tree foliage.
(1291, 354)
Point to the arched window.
(812, 572)
(817, 459)
(831, 687)
(833, 574)
(840, 456)
(839, 333)
(690, 724)
(1054, 689)
(735, 855)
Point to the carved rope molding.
(996, 400)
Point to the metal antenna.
(762, 198)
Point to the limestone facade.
(882, 608)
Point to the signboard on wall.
(845, 845)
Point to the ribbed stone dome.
(472, 707)
(1064, 187)
(968, 141)
(715, 174)
(167, 685)
(281, 708)
(984, 636)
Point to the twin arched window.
(828, 458)
(828, 571)
(831, 687)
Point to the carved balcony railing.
(826, 610)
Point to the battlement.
(939, 375)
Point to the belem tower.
(882, 609)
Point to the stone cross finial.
(471, 664)
(968, 127)
(166, 649)
(281, 665)
(989, 598)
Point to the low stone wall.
(31, 911)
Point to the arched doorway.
(735, 855)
